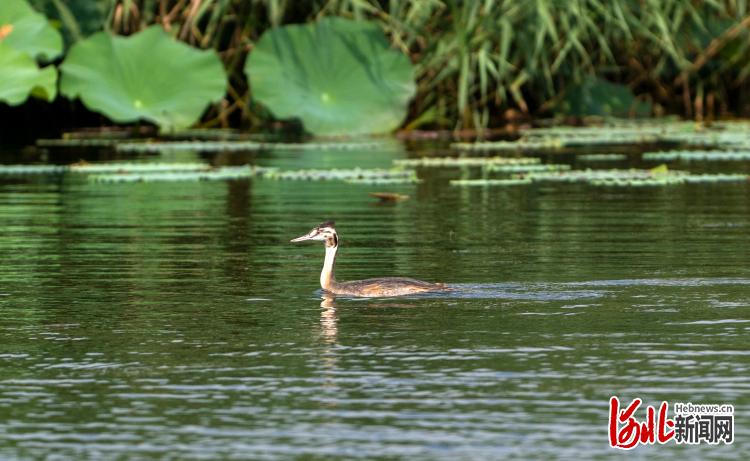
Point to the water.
(175, 321)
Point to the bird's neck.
(326, 275)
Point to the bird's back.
(386, 286)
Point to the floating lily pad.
(384, 181)
(701, 155)
(372, 176)
(727, 135)
(20, 77)
(223, 146)
(623, 129)
(635, 178)
(605, 135)
(667, 134)
(247, 171)
(527, 168)
(491, 182)
(24, 170)
(77, 142)
(610, 178)
(218, 174)
(338, 76)
(522, 145)
(28, 31)
(147, 76)
(545, 140)
(131, 168)
(711, 138)
(638, 182)
(602, 157)
(152, 172)
(713, 178)
(92, 168)
(452, 162)
(589, 176)
(180, 146)
(671, 180)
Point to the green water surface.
(175, 321)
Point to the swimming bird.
(370, 288)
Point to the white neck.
(326, 275)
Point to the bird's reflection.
(328, 319)
(329, 335)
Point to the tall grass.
(481, 62)
(478, 58)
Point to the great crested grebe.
(370, 288)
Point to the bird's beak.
(307, 236)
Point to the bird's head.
(324, 232)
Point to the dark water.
(175, 321)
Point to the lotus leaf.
(26, 30)
(338, 76)
(148, 76)
(21, 77)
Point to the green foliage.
(29, 31)
(596, 96)
(22, 77)
(336, 75)
(77, 18)
(478, 58)
(25, 36)
(147, 76)
(481, 63)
